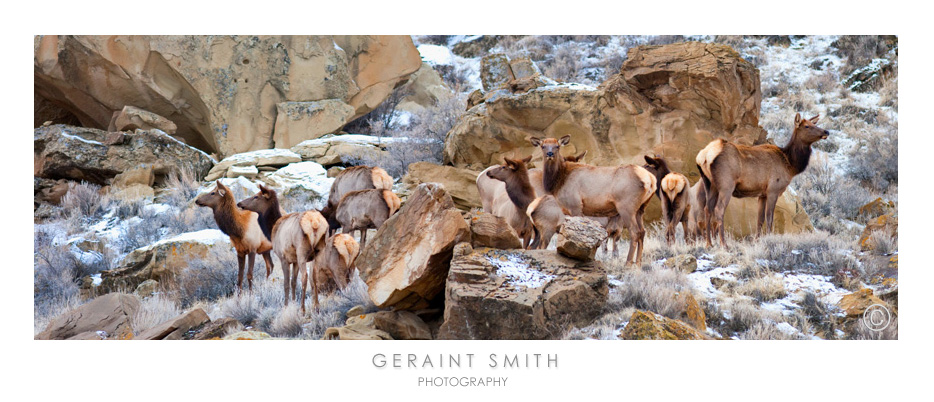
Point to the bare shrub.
(859, 50)
(210, 278)
(564, 63)
(875, 161)
(813, 252)
(764, 330)
(181, 187)
(764, 289)
(655, 290)
(153, 311)
(820, 315)
(83, 199)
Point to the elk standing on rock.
(296, 238)
(365, 209)
(243, 228)
(763, 171)
(333, 268)
(352, 179)
(585, 190)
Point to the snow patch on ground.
(436, 55)
(518, 272)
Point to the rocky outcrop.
(519, 294)
(667, 100)
(97, 156)
(381, 325)
(267, 157)
(176, 328)
(885, 225)
(407, 260)
(222, 92)
(161, 261)
(488, 230)
(132, 118)
(217, 329)
(342, 149)
(299, 121)
(646, 325)
(460, 184)
(580, 238)
(105, 317)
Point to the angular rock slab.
(177, 327)
(488, 230)
(406, 262)
(520, 294)
(580, 238)
(105, 317)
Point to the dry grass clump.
(153, 311)
(763, 289)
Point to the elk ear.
(527, 159)
(797, 118)
(221, 190)
(565, 140)
(650, 160)
(814, 119)
(535, 141)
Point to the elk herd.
(360, 199)
(534, 202)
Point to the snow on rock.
(517, 271)
(208, 237)
(307, 175)
(436, 54)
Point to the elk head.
(509, 168)
(550, 146)
(214, 198)
(261, 201)
(807, 131)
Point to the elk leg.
(761, 220)
(240, 258)
(362, 238)
(286, 279)
(295, 269)
(720, 210)
(303, 267)
(251, 260)
(268, 259)
(770, 212)
(709, 207)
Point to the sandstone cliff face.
(222, 92)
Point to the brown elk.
(242, 227)
(691, 199)
(296, 239)
(352, 179)
(520, 192)
(546, 216)
(493, 191)
(585, 190)
(762, 171)
(366, 209)
(333, 268)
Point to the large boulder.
(299, 121)
(106, 317)
(668, 100)
(341, 149)
(406, 262)
(580, 238)
(131, 118)
(520, 294)
(222, 92)
(97, 156)
(488, 230)
(460, 184)
(275, 157)
(161, 261)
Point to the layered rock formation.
(225, 94)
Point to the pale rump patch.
(314, 226)
(707, 155)
(347, 248)
(392, 201)
(381, 179)
(648, 182)
(673, 184)
(532, 206)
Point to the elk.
(585, 190)
(352, 179)
(494, 191)
(333, 268)
(520, 193)
(365, 209)
(694, 198)
(546, 216)
(762, 171)
(242, 227)
(296, 239)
